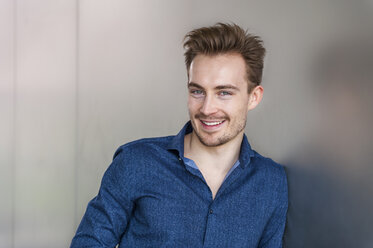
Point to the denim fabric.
(150, 198)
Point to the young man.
(204, 187)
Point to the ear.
(255, 97)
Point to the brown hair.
(227, 38)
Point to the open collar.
(177, 144)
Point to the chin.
(211, 142)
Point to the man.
(204, 187)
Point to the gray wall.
(80, 78)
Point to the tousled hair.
(225, 38)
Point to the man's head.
(224, 73)
(223, 39)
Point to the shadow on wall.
(330, 176)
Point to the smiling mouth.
(212, 123)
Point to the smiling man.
(204, 187)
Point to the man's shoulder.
(144, 146)
(268, 165)
(272, 176)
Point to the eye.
(225, 93)
(196, 93)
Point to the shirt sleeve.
(108, 214)
(274, 231)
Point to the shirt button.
(210, 211)
(179, 159)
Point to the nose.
(209, 106)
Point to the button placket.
(208, 239)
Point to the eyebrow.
(219, 87)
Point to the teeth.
(212, 123)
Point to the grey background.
(78, 78)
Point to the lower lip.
(213, 127)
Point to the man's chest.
(178, 206)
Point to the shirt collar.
(177, 144)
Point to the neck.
(222, 156)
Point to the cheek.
(236, 110)
(194, 104)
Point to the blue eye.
(196, 92)
(225, 93)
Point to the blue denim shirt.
(150, 198)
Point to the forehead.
(212, 70)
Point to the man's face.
(218, 98)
